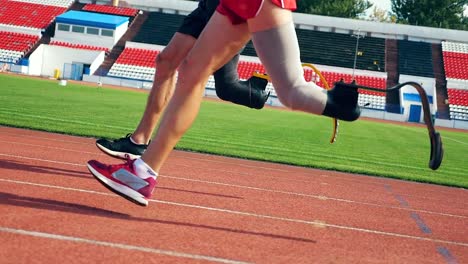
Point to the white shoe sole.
(119, 189)
(116, 154)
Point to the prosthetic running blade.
(437, 149)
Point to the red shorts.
(238, 11)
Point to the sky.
(382, 4)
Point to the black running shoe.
(121, 148)
(342, 102)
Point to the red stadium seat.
(245, 70)
(28, 14)
(17, 41)
(138, 57)
(78, 46)
(458, 97)
(456, 65)
(121, 11)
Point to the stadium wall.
(47, 58)
(22, 30)
(138, 45)
(117, 81)
(457, 84)
(93, 40)
(410, 97)
(383, 115)
(36, 60)
(452, 123)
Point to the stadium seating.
(159, 28)
(334, 49)
(317, 47)
(458, 97)
(10, 56)
(135, 63)
(139, 57)
(415, 58)
(455, 47)
(368, 99)
(246, 69)
(29, 15)
(455, 60)
(456, 65)
(13, 46)
(324, 48)
(458, 101)
(17, 41)
(60, 3)
(107, 9)
(78, 46)
(373, 100)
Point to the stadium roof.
(91, 19)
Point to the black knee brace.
(250, 93)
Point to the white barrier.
(452, 123)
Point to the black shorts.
(196, 21)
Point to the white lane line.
(458, 141)
(241, 165)
(315, 223)
(324, 154)
(117, 245)
(177, 163)
(320, 197)
(54, 148)
(187, 157)
(47, 138)
(425, 132)
(43, 160)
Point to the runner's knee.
(285, 93)
(165, 63)
(190, 73)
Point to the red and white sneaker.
(122, 179)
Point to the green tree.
(381, 15)
(336, 8)
(431, 13)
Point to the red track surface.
(215, 209)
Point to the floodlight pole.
(357, 36)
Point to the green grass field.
(365, 147)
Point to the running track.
(215, 209)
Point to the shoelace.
(128, 163)
(128, 160)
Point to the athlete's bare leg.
(210, 52)
(163, 85)
(164, 81)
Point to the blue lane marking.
(447, 255)
(402, 201)
(445, 252)
(388, 188)
(421, 223)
